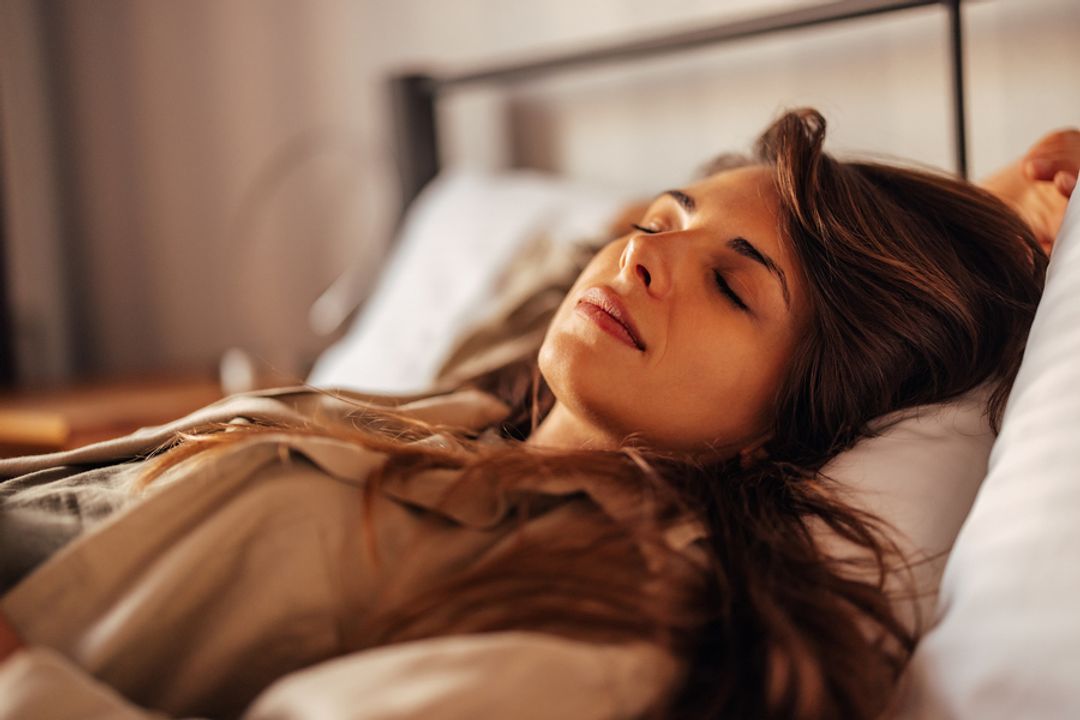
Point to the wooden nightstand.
(39, 422)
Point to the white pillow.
(920, 475)
(462, 231)
(1008, 644)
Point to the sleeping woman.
(633, 524)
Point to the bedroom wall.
(883, 82)
(207, 175)
(219, 162)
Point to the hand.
(1039, 184)
(9, 639)
(1055, 158)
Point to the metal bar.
(956, 50)
(416, 135)
(7, 326)
(415, 95)
(687, 40)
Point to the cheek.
(708, 397)
(558, 352)
(604, 263)
(562, 350)
(548, 360)
(725, 391)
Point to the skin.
(705, 381)
(1039, 184)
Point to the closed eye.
(722, 283)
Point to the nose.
(644, 262)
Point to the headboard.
(415, 95)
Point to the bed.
(996, 513)
(1005, 637)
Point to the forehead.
(748, 190)
(744, 202)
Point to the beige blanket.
(234, 587)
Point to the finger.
(1045, 168)
(1065, 182)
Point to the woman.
(655, 502)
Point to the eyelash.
(721, 281)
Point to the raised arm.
(1038, 184)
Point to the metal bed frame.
(414, 95)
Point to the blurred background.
(182, 178)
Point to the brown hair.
(922, 287)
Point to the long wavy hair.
(922, 287)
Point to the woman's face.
(680, 332)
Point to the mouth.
(604, 307)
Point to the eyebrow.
(743, 247)
(683, 199)
(740, 245)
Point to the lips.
(610, 306)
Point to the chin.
(584, 383)
(562, 367)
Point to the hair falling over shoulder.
(922, 287)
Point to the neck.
(564, 430)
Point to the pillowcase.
(920, 475)
(1008, 644)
